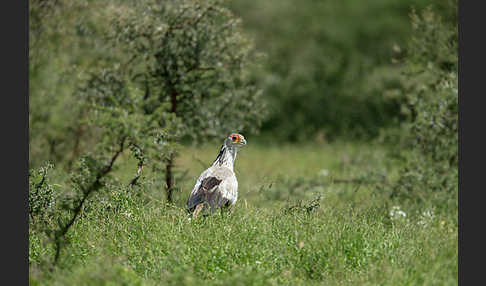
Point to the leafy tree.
(65, 38)
(139, 70)
(431, 98)
(186, 66)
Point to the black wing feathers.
(205, 194)
(209, 183)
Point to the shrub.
(431, 98)
(184, 74)
(65, 38)
(41, 193)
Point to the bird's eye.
(234, 138)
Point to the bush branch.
(59, 236)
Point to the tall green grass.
(306, 215)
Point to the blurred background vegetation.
(332, 69)
(367, 87)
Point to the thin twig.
(94, 186)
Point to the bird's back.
(216, 186)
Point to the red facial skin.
(235, 137)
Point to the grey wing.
(206, 192)
(216, 187)
(205, 174)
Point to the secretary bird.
(217, 187)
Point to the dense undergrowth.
(300, 220)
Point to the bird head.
(235, 140)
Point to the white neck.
(226, 157)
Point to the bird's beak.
(242, 142)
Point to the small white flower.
(397, 213)
(426, 217)
(428, 214)
(258, 262)
(324, 172)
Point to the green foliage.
(125, 82)
(179, 71)
(128, 235)
(41, 193)
(183, 73)
(190, 59)
(260, 247)
(431, 99)
(181, 57)
(328, 72)
(64, 40)
(304, 207)
(432, 67)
